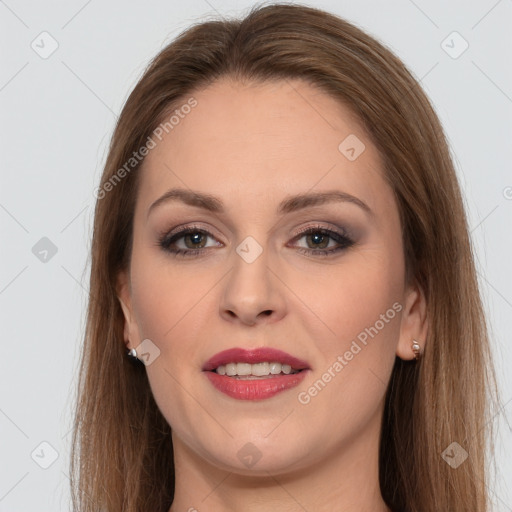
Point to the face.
(297, 247)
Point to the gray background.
(58, 113)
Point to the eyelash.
(166, 239)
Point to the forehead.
(260, 141)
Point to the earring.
(132, 353)
(416, 349)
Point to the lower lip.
(255, 389)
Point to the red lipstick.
(251, 387)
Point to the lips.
(259, 388)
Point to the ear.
(124, 294)
(414, 322)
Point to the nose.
(253, 293)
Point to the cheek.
(360, 305)
(352, 296)
(165, 296)
(172, 309)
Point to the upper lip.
(253, 356)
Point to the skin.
(253, 145)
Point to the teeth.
(231, 369)
(243, 368)
(259, 369)
(275, 368)
(286, 368)
(256, 370)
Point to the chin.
(256, 456)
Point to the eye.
(193, 240)
(189, 241)
(322, 241)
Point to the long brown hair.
(122, 456)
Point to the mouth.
(254, 374)
(247, 371)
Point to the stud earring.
(132, 353)
(416, 349)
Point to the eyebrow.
(290, 204)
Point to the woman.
(284, 312)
